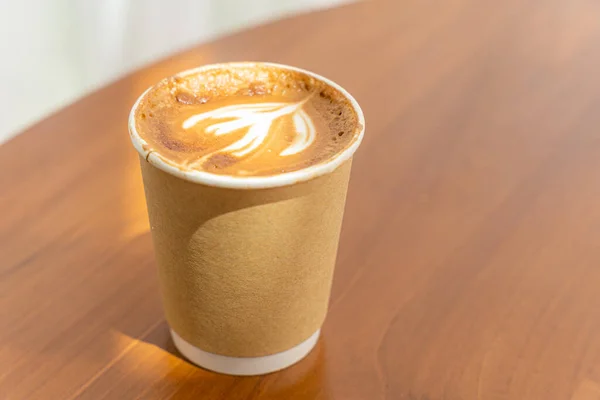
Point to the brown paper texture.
(245, 273)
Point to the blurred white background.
(55, 51)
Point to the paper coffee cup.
(245, 264)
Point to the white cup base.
(245, 365)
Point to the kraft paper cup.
(245, 264)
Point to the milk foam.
(257, 120)
(245, 120)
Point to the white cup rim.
(251, 182)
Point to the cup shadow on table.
(184, 380)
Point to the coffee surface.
(245, 120)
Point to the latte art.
(244, 120)
(257, 120)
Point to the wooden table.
(469, 265)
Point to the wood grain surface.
(469, 264)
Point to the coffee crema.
(245, 120)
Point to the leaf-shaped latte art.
(257, 119)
